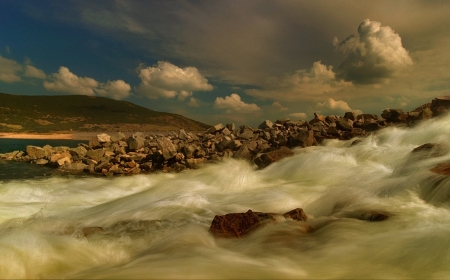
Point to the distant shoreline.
(56, 136)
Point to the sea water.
(156, 226)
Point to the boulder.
(103, 138)
(304, 138)
(195, 163)
(216, 128)
(344, 124)
(266, 159)
(265, 124)
(119, 136)
(168, 150)
(351, 116)
(394, 115)
(74, 167)
(135, 142)
(35, 152)
(95, 154)
(241, 224)
(182, 134)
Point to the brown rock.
(266, 159)
(241, 224)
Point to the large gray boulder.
(168, 150)
(135, 142)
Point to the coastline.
(56, 136)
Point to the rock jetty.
(117, 154)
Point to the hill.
(46, 114)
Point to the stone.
(265, 124)
(195, 163)
(344, 124)
(238, 225)
(302, 139)
(182, 134)
(95, 154)
(394, 115)
(118, 136)
(56, 157)
(246, 134)
(243, 153)
(41, 161)
(168, 150)
(351, 116)
(135, 142)
(103, 138)
(35, 152)
(225, 143)
(231, 126)
(63, 161)
(74, 167)
(266, 159)
(79, 151)
(216, 128)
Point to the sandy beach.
(62, 136)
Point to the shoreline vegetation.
(174, 151)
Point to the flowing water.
(156, 226)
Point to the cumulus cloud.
(331, 106)
(116, 89)
(298, 115)
(277, 106)
(67, 82)
(233, 103)
(33, 72)
(376, 53)
(9, 70)
(316, 82)
(166, 80)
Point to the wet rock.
(195, 163)
(442, 168)
(266, 159)
(431, 150)
(344, 124)
(74, 167)
(394, 115)
(374, 216)
(240, 224)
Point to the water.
(24, 170)
(156, 226)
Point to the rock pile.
(176, 151)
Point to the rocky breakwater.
(176, 151)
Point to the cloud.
(375, 54)
(331, 106)
(316, 82)
(166, 80)
(33, 72)
(277, 106)
(67, 82)
(298, 115)
(193, 102)
(9, 70)
(233, 103)
(116, 89)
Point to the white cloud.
(33, 72)
(331, 106)
(376, 53)
(116, 89)
(277, 106)
(233, 103)
(302, 116)
(168, 81)
(318, 81)
(9, 70)
(67, 82)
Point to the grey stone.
(168, 150)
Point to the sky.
(230, 61)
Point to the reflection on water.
(156, 226)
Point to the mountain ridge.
(64, 113)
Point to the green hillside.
(44, 114)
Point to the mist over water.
(156, 226)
